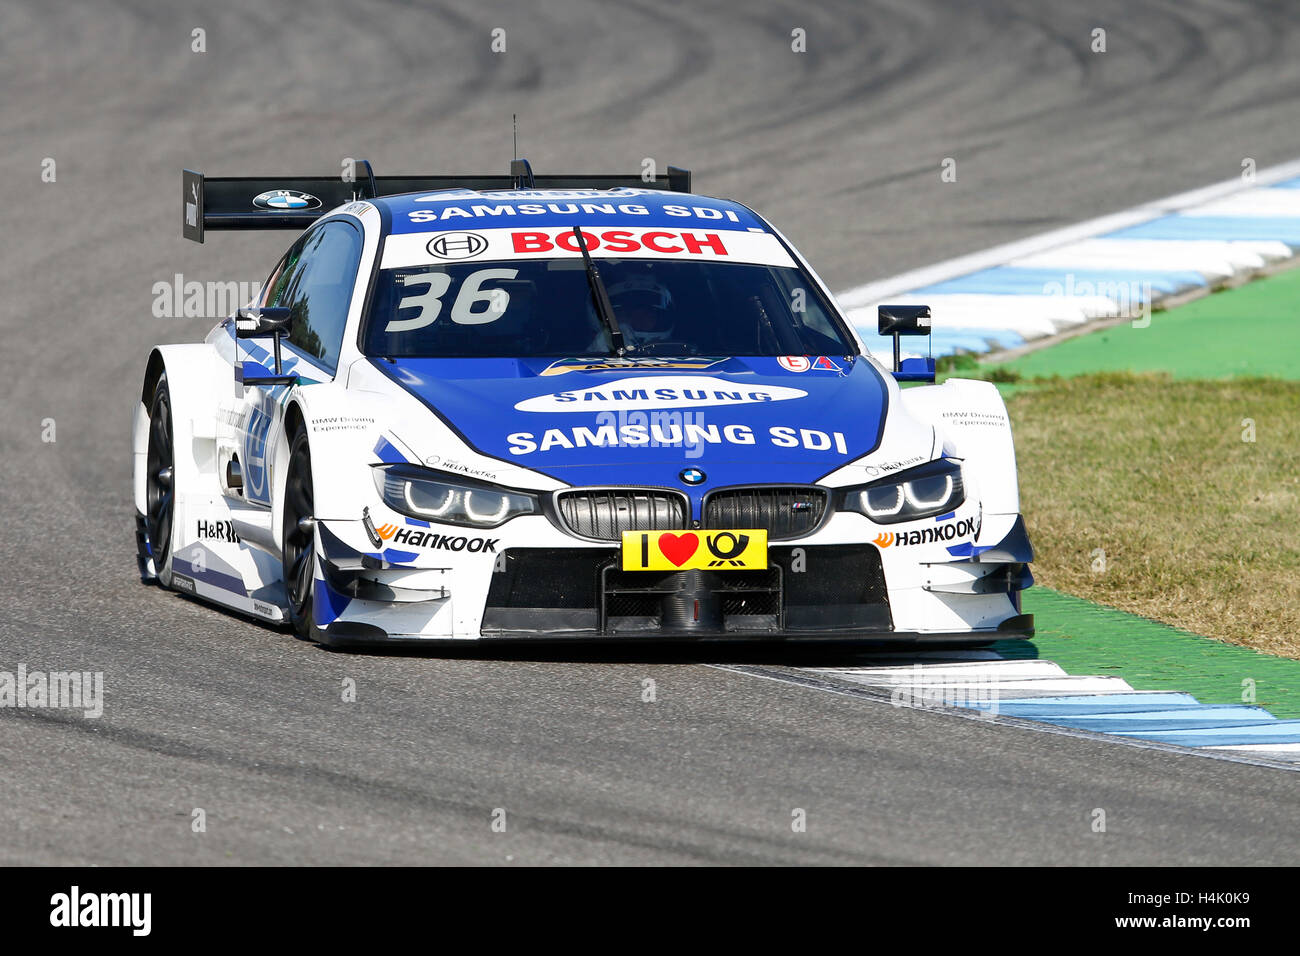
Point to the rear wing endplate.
(295, 202)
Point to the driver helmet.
(643, 306)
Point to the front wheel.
(299, 533)
(160, 497)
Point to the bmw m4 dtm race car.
(563, 407)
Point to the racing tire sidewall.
(161, 503)
(299, 586)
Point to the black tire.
(298, 556)
(160, 461)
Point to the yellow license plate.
(682, 550)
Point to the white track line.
(810, 680)
(881, 289)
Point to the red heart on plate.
(678, 548)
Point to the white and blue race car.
(564, 408)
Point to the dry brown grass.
(1200, 529)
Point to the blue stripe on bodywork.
(387, 452)
(327, 604)
(655, 209)
(227, 582)
(477, 398)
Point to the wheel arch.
(340, 457)
(195, 372)
(293, 419)
(153, 371)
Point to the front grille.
(783, 511)
(605, 513)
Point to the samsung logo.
(669, 391)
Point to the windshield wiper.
(604, 308)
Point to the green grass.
(1141, 493)
(1197, 526)
(1252, 331)
(1086, 638)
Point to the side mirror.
(904, 319)
(251, 323)
(899, 320)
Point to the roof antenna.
(514, 121)
(521, 171)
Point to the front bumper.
(539, 586)
(581, 592)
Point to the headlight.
(924, 492)
(431, 496)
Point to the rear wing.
(295, 202)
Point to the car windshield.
(522, 308)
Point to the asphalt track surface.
(841, 146)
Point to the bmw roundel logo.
(457, 245)
(285, 199)
(691, 476)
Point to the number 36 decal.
(492, 302)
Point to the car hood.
(595, 421)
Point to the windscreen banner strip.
(488, 245)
